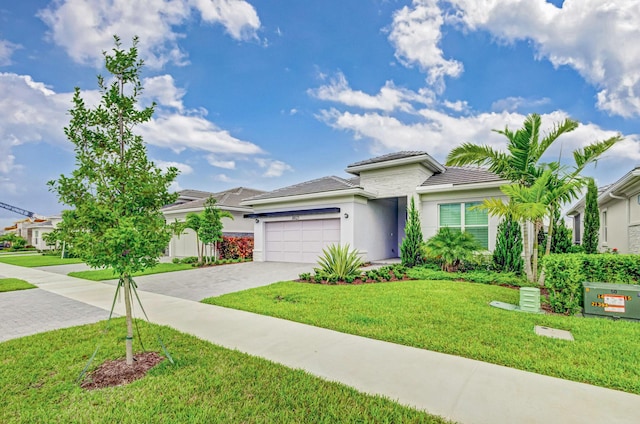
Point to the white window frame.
(463, 225)
(605, 230)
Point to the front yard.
(32, 261)
(107, 274)
(208, 384)
(12, 284)
(455, 318)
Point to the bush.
(236, 247)
(340, 261)
(565, 273)
(507, 255)
(411, 247)
(482, 277)
(452, 248)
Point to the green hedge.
(482, 277)
(565, 273)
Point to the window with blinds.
(466, 217)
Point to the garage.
(300, 240)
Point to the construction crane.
(17, 210)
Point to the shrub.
(507, 255)
(565, 273)
(451, 248)
(482, 277)
(189, 260)
(176, 260)
(591, 219)
(340, 261)
(305, 276)
(236, 247)
(411, 247)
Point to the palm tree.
(521, 165)
(451, 247)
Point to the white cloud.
(85, 28)
(222, 177)
(415, 34)
(239, 18)
(31, 112)
(457, 106)
(6, 50)
(594, 37)
(389, 98)
(437, 133)
(274, 168)
(179, 132)
(293, 111)
(513, 104)
(163, 91)
(182, 167)
(226, 164)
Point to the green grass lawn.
(31, 261)
(208, 384)
(11, 284)
(107, 274)
(455, 318)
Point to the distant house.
(32, 230)
(368, 209)
(619, 205)
(193, 201)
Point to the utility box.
(612, 300)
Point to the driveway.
(199, 283)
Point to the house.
(367, 210)
(32, 230)
(619, 205)
(193, 201)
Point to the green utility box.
(612, 300)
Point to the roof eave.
(459, 187)
(356, 191)
(425, 159)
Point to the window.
(576, 229)
(604, 226)
(465, 217)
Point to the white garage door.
(299, 241)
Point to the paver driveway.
(33, 311)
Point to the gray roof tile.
(460, 175)
(388, 157)
(331, 183)
(227, 198)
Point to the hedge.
(565, 273)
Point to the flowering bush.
(236, 247)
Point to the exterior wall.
(377, 229)
(617, 228)
(430, 209)
(37, 239)
(634, 239)
(634, 209)
(396, 181)
(185, 245)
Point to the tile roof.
(388, 157)
(459, 175)
(331, 183)
(228, 198)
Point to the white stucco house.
(619, 207)
(193, 201)
(367, 210)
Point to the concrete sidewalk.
(461, 389)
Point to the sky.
(268, 93)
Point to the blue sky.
(264, 94)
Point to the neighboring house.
(368, 209)
(32, 229)
(193, 201)
(619, 205)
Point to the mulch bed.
(118, 373)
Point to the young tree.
(116, 192)
(507, 255)
(591, 219)
(411, 247)
(451, 247)
(193, 221)
(210, 231)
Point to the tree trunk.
(527, 251)
(127, 306)
(534, 263)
